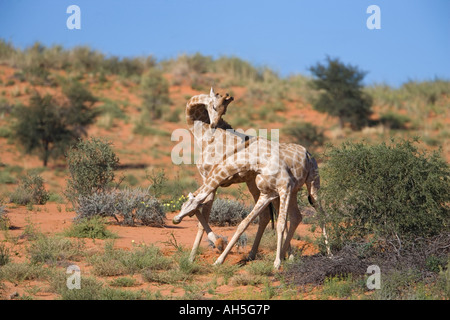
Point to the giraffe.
(281, 170)
(215, 137)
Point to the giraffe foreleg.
(262, 203)
(203, 218)
(281, 226)
(295, 217)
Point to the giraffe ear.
(211, 93)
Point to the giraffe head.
(217, 107)
(187, 208)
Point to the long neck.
(223, 171)
(196, 110)
(215, 179)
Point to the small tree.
(79, 111)
(48, 127)
(42, 127)
(306, 134)
(91, 165)
(341, 93)
(155, 93)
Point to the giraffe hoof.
(220, 244)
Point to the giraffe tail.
(272, 215)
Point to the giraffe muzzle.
(176, 220)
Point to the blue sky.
(286, 35)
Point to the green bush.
(48, 127)
(114, 262)
(91, 165)
(306, 134)
(93, 228)
(4, 255)
(54, 249)
(391, 192)
(394, 120)
(4, 220)
(31, 190)
(21, 271)
(155, 93)
(341, 93)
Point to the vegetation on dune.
(48, 127)
(385, 201)
(30, 191)
(341, 93)
(391, 193)
(91, 165)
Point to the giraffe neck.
(215, 179)
(223, 171)
(196, 110)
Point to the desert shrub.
(110, 111)
(137, 204)
(246, 279)
(399, 285)
(185, 65)
(444, 277)
(17, 272)
(418, 98)
(394, 120)
(130, 205)
(91, 165)
(6, 178)
(238, 69)
(4, 255)
(388, 192)
(227, 212)
(339, 286)
(94, 228)
(31, 190)
(80, 111)
(155, 93)
(54, 249)
(261, 268)
(90, 289)
(96, 204)
(4, 220)
(93, 289)
(113, 262)
(123, 282)
(7, 50)
(306, 134)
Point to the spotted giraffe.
(281, 170)
(215, 138)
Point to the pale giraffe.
(281, 170)
(214, 144)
